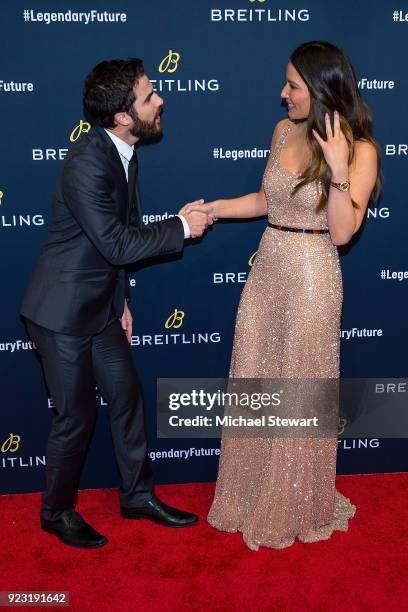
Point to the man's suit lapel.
(135, 210)
(103, 141)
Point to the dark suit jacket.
(81, 271)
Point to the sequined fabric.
(274, 490)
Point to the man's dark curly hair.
(109, 89)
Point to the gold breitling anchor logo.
(170, 62)
(342, 426)
(1, 197)
(175, 320)
(12, 444)
(251, 259)
(83, 126)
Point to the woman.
(321, 173)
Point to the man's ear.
(122, 119)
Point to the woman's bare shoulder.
(279, 127)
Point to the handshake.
(199, 217)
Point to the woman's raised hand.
(335, 148)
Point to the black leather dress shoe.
(161, 513)
(71, 529)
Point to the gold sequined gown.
(288, 326)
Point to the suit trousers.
(73, 366)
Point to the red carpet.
(147, 567)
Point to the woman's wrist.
(339, 175)
(216, 208)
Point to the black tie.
(134, 210)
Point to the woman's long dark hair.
(332, 85)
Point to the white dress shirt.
(126, 152)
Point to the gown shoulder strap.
(282, 138)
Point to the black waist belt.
(298, 229)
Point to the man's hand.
(197, 217)
(126, 322)
(207, 208)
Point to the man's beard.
(145, 130)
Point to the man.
(76, 307)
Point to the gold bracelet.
(343, 186)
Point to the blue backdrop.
(219, 65)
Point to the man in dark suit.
(76, 308)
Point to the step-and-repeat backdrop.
(220, 66)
